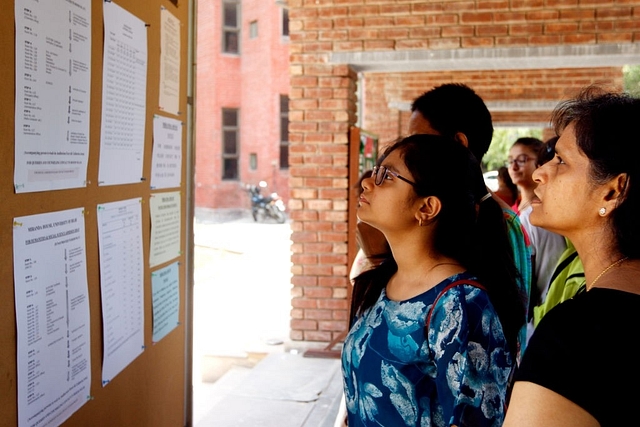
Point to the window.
(284, 132)
(285, 22)
(253, 29)
(253, 161)
(230, 28)
(230, 143)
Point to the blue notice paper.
(166, 300)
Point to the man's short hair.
(455, 107)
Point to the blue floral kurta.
(394, 376)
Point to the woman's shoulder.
(463, 282)
(593, 310)
(460, 289)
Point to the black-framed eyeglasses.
(521, 160)
(380, 173)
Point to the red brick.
(448, 43)
(561, 3)
(474, 42)
(317, 293)
(333, 194)
(554, 28)
(304, 237)
(615, 38)
(304, 324)
(317, 336)
(378, 21)
(304, 281)
(333, 259)
(333, 282)
(303, 259)
(492, 30)
(331, 325)
(614, 13)
(304, 303)
(579, 38)
(321, 315)
(341, 315)
(476, 18)
(317, 270)
(333, 304)
(458, 31)
(492, 5)
(527, 4)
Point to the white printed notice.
(169, 62)
(53, 83)
(166, 167)
(166, 300)
(165, 227)
(52, 316)
(121, 284)
(124, 93)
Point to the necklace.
(618, 262)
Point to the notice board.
(152, 389)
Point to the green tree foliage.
(503, 139)
(631, 75)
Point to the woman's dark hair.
(606, 130)
(503, 174)
(532, 143)
(548, 151)
(469, 228)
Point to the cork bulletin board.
(153, 388)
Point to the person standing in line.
(456, 111)
(546, 246)
(507, 190)
(434, 328)
(567, 278)
(577, 369)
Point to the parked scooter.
(263, 207)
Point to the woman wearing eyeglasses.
(546, 246)
(434, 326)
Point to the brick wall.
(383, 90)
(323, 104)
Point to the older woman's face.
(566, 200)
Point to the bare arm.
(532, 405)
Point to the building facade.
(242, 100)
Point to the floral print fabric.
(396, 375)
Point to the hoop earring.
(420, 222)
(602, 211)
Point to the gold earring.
(602, 211)
(420, 222)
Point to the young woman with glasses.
(434, 328)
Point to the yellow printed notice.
(165, 227)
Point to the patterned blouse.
(396, 376)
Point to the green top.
(566, 281)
